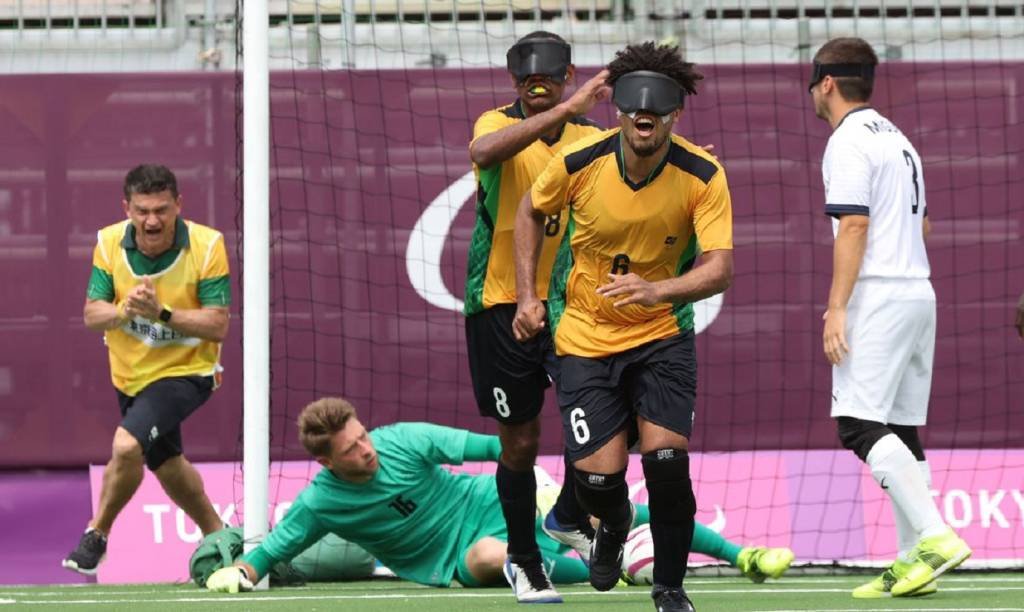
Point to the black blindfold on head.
(820, 71)
(547, 57)
(644, 90)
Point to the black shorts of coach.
(509, 377)
(600, 397)
(154, 416)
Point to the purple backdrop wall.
(359, 155)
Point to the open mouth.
(644, 126)
(537, 89)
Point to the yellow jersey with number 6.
(655, 228)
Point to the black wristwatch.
(165, 314)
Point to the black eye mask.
(644, 90)
(547, 57)
(820, 71)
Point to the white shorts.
(887, 375)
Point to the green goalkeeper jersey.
(416, 517)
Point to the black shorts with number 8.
(509, 377)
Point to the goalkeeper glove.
(229, 580)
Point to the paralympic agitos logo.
(428, 237)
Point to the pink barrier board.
(823, 504)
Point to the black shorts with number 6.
(599, 397)
(509, 377)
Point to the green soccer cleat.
(882, 586)
(758, 563)
(933, 557)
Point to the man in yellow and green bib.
(159, 292)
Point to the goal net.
(372, 203)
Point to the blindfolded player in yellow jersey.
(511, 146)
(639, 204)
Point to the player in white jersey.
(879, 332)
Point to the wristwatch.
(165, 314)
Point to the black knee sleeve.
(605, 496)
(669, 488)
(859, 435)
(908, 434)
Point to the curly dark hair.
(664, 59)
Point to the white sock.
(926, 473)
(905, 534)
(895, 469)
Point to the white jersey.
(870, 168)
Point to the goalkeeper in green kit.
(387, 492)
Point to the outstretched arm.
(296, 532)
(480, 447)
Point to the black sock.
(517, 492)
(567, 508)
(672, 504)
(606, 496)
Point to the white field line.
(399, 585)
(270, 597)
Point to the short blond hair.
(320, 420)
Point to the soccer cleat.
(606, 558)
(882, 585)
(575, 537)
(933, 557)
(530, 582)
(758, 563)
(671, 600)
(86, 557)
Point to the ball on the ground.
(638, 556)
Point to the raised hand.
(589, 94)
